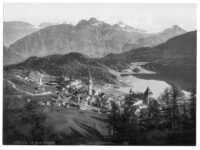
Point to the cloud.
(146, 23)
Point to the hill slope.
(74, 65)
(158, 38)
(9, 56)
(175, 58)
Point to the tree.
(123, 126)
(192, 112)
(37, 132)
(165, 114)
(154, 114)
(170, 111)
(175, 94)
(185, 118)
(166, 96)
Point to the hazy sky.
(151, 17)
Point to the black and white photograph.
(112, 74)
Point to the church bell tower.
(90, 84)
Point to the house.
(34, 75)
(140, 104)
(39, 89)
(75, 83)
(48, 103)
(66, 78)
(41, 103)
(28, 100)
(97, 92)
(83, 105)
(118, 103)
(91, 99)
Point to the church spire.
(146, 96)
(41, 83)
(90, 83)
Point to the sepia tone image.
(99, 74)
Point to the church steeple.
(41, 83)
(146, 96)
(90, 83)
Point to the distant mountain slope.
(9, 56)
(92, 37)
(14, 30)
(175, 58)
(158, 38)
(46, 24)
(74, 65)
(183, 46)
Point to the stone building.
(147, 95)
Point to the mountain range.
(91, 37)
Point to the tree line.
(169, 120)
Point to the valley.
(69, 115)
(93, 82)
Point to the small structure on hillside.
(34, 76)
(40, 81)
(83, 105)
(41, 86)
(28, 100)
(75, 83)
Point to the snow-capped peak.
(121, 24)
(93, 21)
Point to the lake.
(140, 85)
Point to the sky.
(152, 17)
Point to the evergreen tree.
(193, 108)
(175, 94)
(166, 96)
(170, 112)
(165, 114)
(154, 114)
(185, 115)
(123, 126)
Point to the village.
(73, 93)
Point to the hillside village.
(74, 93)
